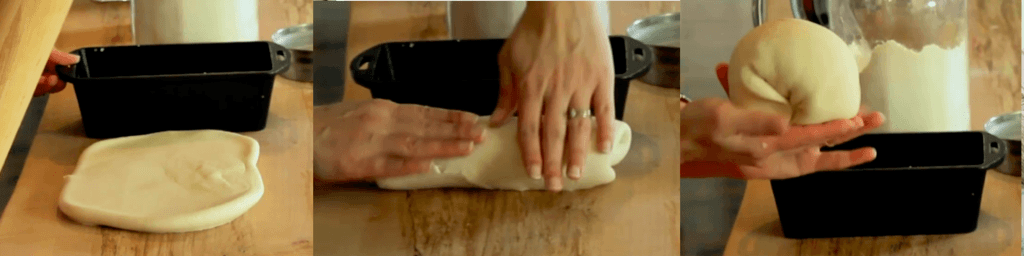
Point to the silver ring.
(573, 113)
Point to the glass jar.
(912, 55)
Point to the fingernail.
(53, 81)
(483, 134)
(466, 146)
(77, 58)
(606, 147)
(476, 131)
(555, 185)
(535, 172)
(574, 172)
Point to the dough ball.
(175, 181)
(797, 69)
(496, 163)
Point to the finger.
(870, 121)
(578, 141)
(603, 103)
(722, 70)
(405, 145)
(553, 138)
(398, 166)
(806, 135)
(506, 97)
(529, 129)
(745, 150)
(42, 87)
(433, 129)
(839, 160)
(757, 123)
(59, 87)
(63, 58)
(419, 112)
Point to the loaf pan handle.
(69, 73)
(281, 58)
(369, 58)
(639, 58)
(995, 151)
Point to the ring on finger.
(576, 113)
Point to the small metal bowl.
(299, 40)
(661, 32)
(1008, 128)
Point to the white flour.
(924, 91)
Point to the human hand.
(379, 138)
(49, 82)
(720, 140)
(558, 59)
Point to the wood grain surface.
(637, 214)
(27, 31)
(280, 224)
(995, 52)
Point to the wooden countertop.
(281, 223)
(995, 85)
(637, 214)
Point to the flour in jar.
(917, 91)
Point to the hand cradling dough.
(795, 68)
(496, 163)
(174, 181)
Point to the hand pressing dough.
(175, 181)
(496, 163)
(795, 68)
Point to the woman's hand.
(720, 140)
(49, 82)
(379, 138)
(557, 69)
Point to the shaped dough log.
(175, 181)
(497, 163)
(797, 69)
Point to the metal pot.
(299, 40)
(661, 32)
(1008, 128)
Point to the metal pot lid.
(659, 30)
(299, 37)
(1006, 126)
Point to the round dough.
(174, 181)
(795, 68)
(496, 163)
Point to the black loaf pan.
(463, 74)
(141, 89)
(920, 184)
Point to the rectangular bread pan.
(140, 89)
(463, 74)
(920, 184)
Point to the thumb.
(506, 97)
(722, 70)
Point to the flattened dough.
(797, 69)
(497, 163)
(174, 181)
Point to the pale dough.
(496, 163)
(175, 181)
(795, 68)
